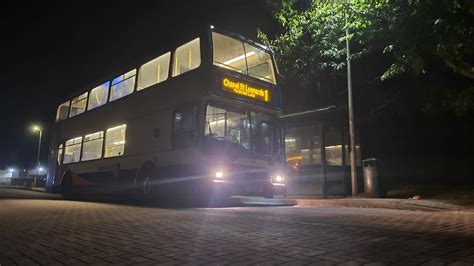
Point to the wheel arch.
(146, 166)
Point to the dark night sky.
(52, 50)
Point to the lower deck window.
(184, 134)
(263, 134)
(72, 151)
(60, 153)
(92, 147)
(115, 141)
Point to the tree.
(309, 50)
(407, 36)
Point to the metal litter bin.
(371, 178)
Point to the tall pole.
(351, 112)
(38, 158)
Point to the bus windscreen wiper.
(209, 125)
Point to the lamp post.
(351, 111)
(38, 129)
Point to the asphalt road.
(39, 228)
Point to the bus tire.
(144, 185)
(66, 186)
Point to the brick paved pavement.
(55, 232)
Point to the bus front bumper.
(254, 187)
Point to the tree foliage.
(407, 36)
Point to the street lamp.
(37, 128)
(11, 171)
(351, 112)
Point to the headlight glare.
(219, 174)
(279, 179)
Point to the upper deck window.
(153, 72)
(259, 64)
(78, 105)
(98, 96)
(186, 57)
(229, 53)
(123, 85)
(63, 111)
(242, 57)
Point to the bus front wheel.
(268, 192)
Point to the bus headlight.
(219, 174)
(278, 180)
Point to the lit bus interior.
(249, 133)
(91, 146)
(228, 53)
(242, 57)
(240, 131)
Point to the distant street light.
(37, 128)
(12, 171)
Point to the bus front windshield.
(238, 131)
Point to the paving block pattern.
(57, 232)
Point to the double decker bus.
(201, 118)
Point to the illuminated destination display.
(246, 90)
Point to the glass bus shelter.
(317, 153)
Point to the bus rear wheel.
(66, 186)
(144, 186)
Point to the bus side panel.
(174, 169)
(146, 137)
(149, 133)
